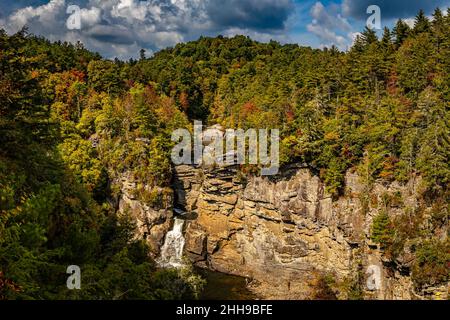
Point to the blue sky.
(120, 28)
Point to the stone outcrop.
(280, 231)
(152, 223)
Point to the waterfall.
(172, 249)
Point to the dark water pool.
(221, 286)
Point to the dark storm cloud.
(6, 7)
(253, 14)
(110, 34)
(391, 8)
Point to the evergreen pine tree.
(401, 32)
(386, 41)
(438, 26)
(369, 36)
(422, 23)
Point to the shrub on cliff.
(382, 231)
(432, 264)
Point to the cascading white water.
(172, 249)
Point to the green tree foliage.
(382, 230)
(54, 208)
(401, 32)
(332, 107)
(105, 76)
(431, 266)
(421, 23)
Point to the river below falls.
(221, 286)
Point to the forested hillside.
(72, 122)
(54, 184)
(377, 107)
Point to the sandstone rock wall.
(152, 223)
(281, 231)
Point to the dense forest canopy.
(72, 122)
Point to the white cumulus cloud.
(329, 26)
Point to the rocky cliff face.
(282, 231)
(152, 222)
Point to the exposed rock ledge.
(152, 223)
(281, 231)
